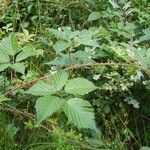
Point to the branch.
(24, 114)
(67, 69)
(25, 84)
(16, 111)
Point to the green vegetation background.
(74, 74)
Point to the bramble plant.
(74, 74)
(78, 111)
(12, 55)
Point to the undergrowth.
(74, 74)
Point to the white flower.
(132, 101)
(96, 77)
(53, 70)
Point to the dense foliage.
(74, 74)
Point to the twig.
(16, 111)
(24, 114)
(25, 84)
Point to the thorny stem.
(24, 114)
(70, 68)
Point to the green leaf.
(85, 37)
(4, 57)
(145, 148)
(83, 57)
(88, 42)
(95, 142)
(59, 80)
(80, 113)
(79, 86)
(142, 57)
(3, 98)
(46, 106)
(145, 37)
(18, 67)
(11, 130)
(113, 3)
(61, 46)
(64, 33)
(41, 88)
(64, 60)
(9, 45)
(28, 51)
(148, 52)
(4, 66)
(94, 16)
(56, 32)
